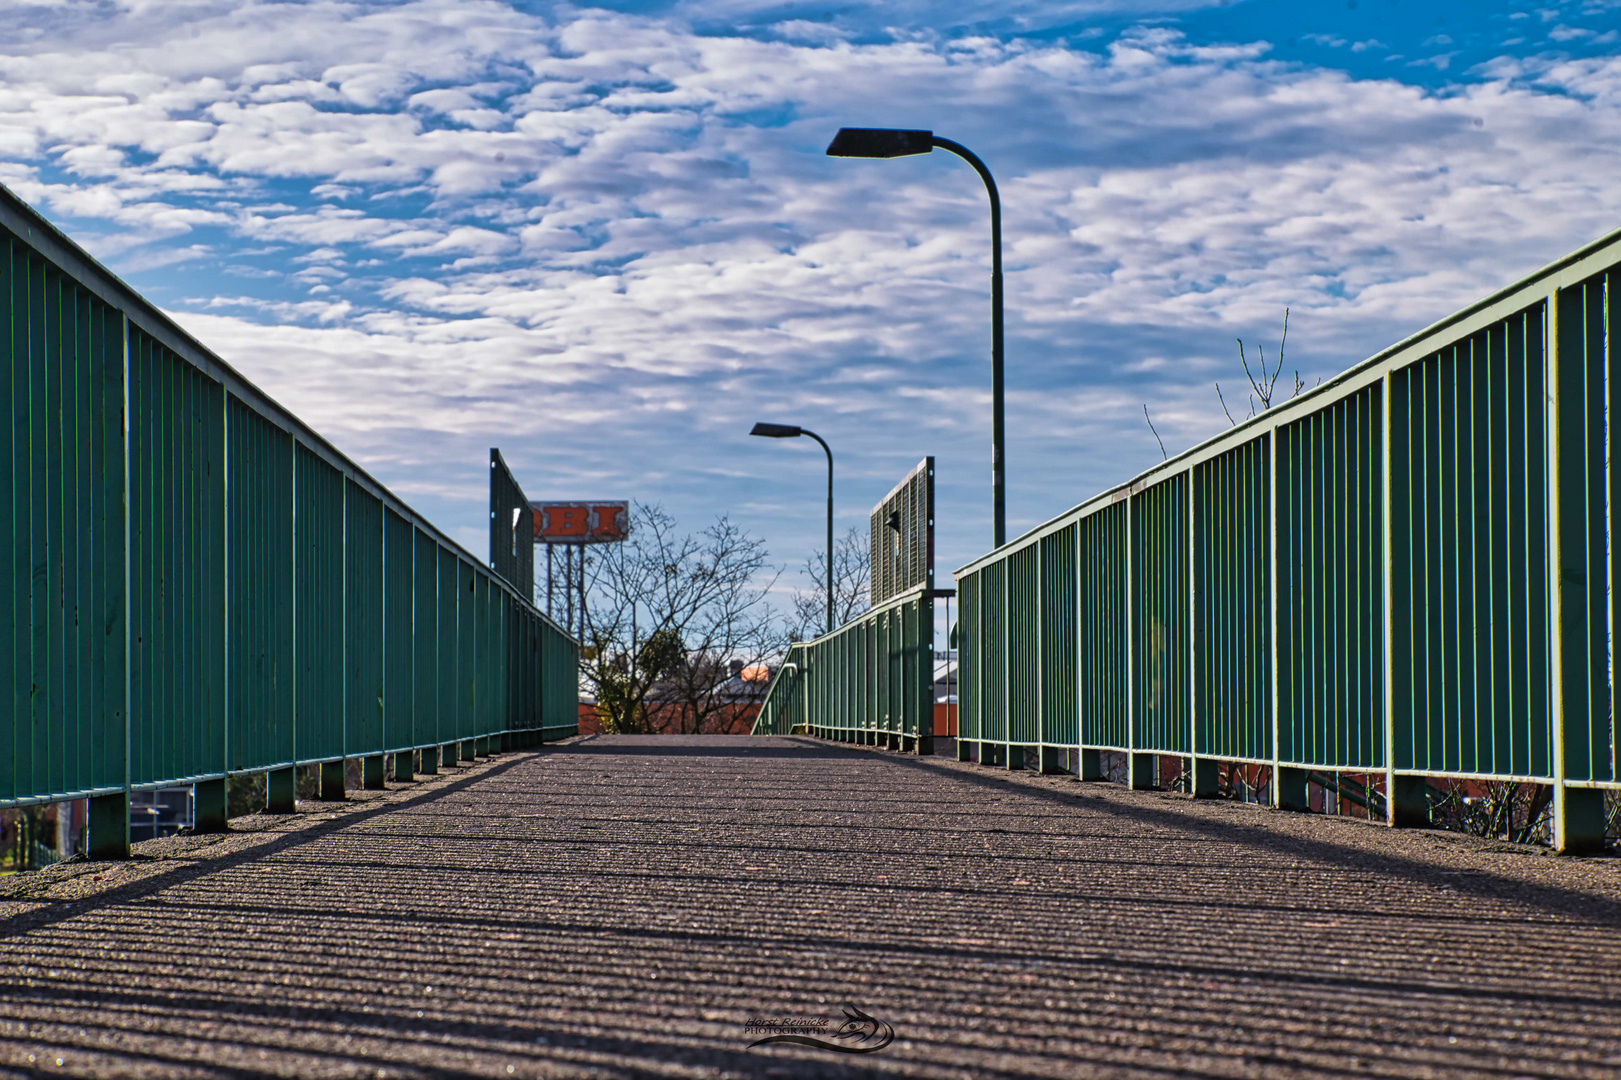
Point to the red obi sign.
(586, 522)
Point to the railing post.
(209, 806)
(405, 765)
(430, 761)
(1578, 813)
(281, 790)
(372, 772)
(108, 824)
(334, 780)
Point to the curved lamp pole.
(789, 431)
(895, 142)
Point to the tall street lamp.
(894, 142)
(789, 431)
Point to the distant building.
(738, 697)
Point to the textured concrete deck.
(622, 906)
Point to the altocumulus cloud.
(608, 241)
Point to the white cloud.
(607, 242)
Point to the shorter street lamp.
(790, 431)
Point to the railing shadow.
(1546, 896)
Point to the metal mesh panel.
(512, 529)
(903, 559)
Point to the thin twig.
(1284, 338)
(1151, 427)
(1224, 407)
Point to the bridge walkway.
(620, 906)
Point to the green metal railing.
(871, 681)
(1404, 571)
(211, 588)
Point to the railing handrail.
(1463, 323)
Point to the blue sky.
(605, 238)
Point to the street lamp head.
(777, 431)
(879, 143)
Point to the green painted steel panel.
(449, 648)
(1585, 674)
(1233, 602)
(482, 702)
(466, 685)
(1059, 610)
(561, 684)
(1330, 587)
(993, 708)
(970, 687)
(259, 632)
(1468, 462)
(520, 679)
(318, 528)
(1023, 651)
(779, 712)
(1612, 380)
(177, 484)
(1161, 675)
(251, 599)
(363, 613)
(875, 673)
(429, 728)
(1101, 547)
(399, 645)
(61, 532)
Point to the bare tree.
(669, 614)
(852, 582)
(1496, 809)
(1264, 387)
